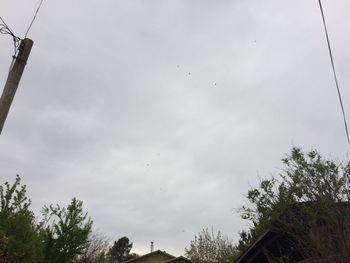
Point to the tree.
(60, 237)
(309, 203)
(65, 232)
(96, 250)
(208, 247)
(18, 232)
(131, 256)
(120, 250)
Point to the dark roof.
(150, 254)
(255, 249)
(178, 258)
(256, 252)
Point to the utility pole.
(13, 79)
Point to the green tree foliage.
(309, 202)
(18, 232)
(65, 231)
(99, 251)
(120, 251)
(59, 238)
(208, 247)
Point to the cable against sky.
(334, 71)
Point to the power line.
(4, 29)
(334, 72)
(31, 23)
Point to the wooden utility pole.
(13, 79)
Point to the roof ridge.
(148, 254)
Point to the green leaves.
(13, 198)
(59, 237)
(208, 247)
(120, 250)
(66, 233)
(18, 236)
(309, 189)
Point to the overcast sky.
(160, 114)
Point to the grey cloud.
(161, 114)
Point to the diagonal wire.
(4, 29)
(334, 71)
(31, 23)
(3, 22)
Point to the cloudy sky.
(160, 114)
